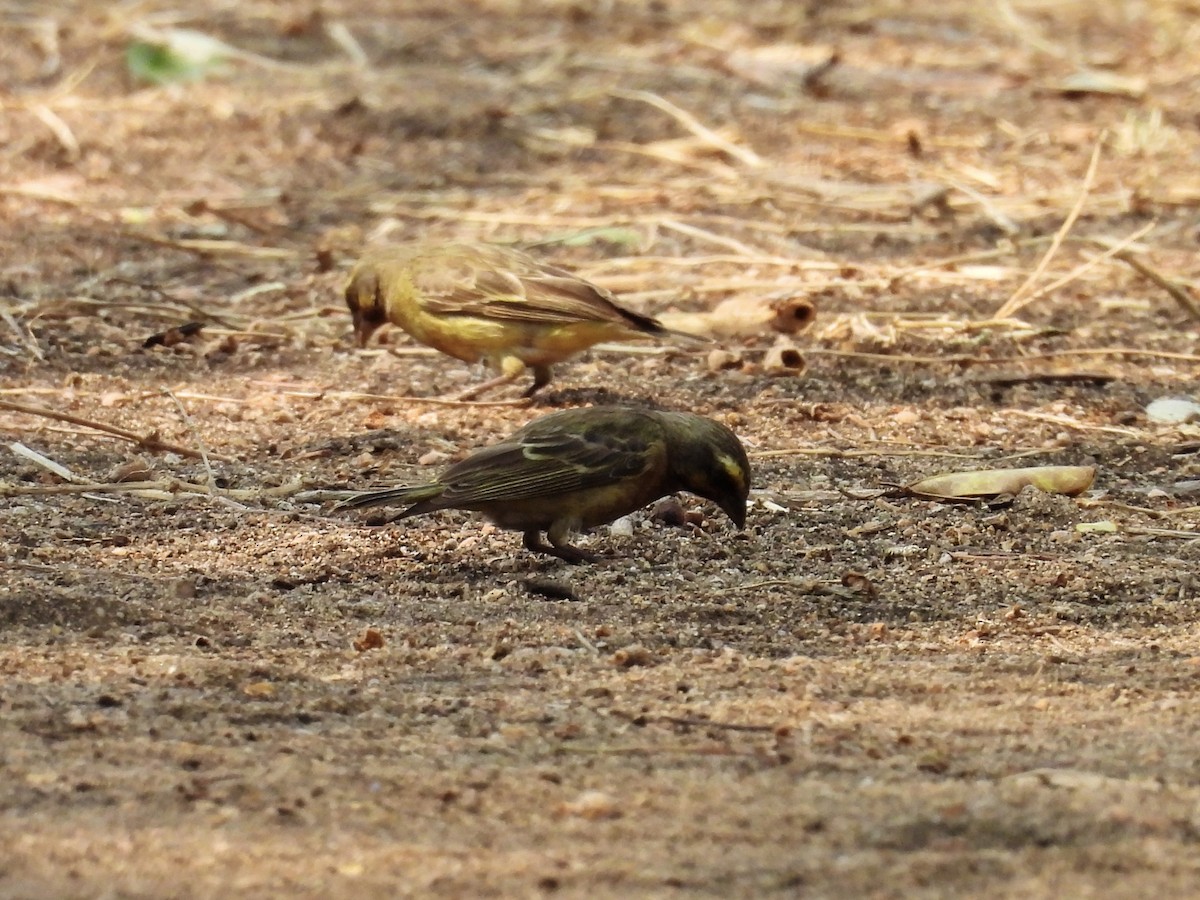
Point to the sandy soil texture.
(212, 686)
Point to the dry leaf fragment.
(1095, 81)
(632, 656)
(432, 458)
(135, 469)
(669, 511)
(173, 336)
(370, 639)
(1068, 480)
(859, 583)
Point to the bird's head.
(366, 303)
(708, 459)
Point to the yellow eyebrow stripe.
(732, 468)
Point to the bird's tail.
(390, 496)
(688, 320)
(686, 335)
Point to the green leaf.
(180, 55)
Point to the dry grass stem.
(1022, 296)
(709, 237)
(1161, 532)
(207, 247)
(690, 123)
(885, 136)
(676, 155)
(837, 453)
(44, 461)
(995, 216)
(341, 35)
(162, 489)
(201, 447)
(1089, 264)
(1068, 422)
(994, 360)
(316, 393)
(60, 129)
(24, 337)
(1149, 513)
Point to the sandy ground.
(214, 687)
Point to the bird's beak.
(362, 329)
(735, 508)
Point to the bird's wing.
(527, 291)
(544, 465)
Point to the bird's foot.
(564, 551)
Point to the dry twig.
(150, 441)
(1178, 293)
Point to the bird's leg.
(491, 384)
(541, 378)
(510, 369)
(560, 548)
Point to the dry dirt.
(218, 689)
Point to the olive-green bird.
(578, 468)
(491, 303)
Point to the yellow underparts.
(472, 338)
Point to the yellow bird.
(491, 303)
(578, 468)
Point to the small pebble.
(432, 458)
(1173, 410)
(593, 805)
(622, 527)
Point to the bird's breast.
(544, 344)
(579, 509)
(463, 337)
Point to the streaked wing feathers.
(532, 293)
(541, 467)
